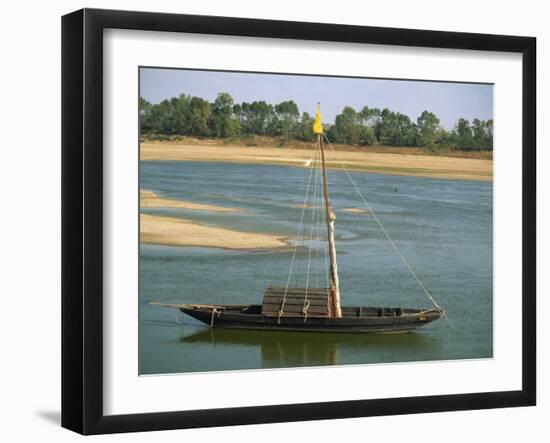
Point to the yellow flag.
(317, 124)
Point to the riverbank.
(150, 199)
(353, 160)
(171, 231)
(182, 232)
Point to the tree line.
(195, 116)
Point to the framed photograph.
(269, 221)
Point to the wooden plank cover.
(295, 302)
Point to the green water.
(442, 227)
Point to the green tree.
(237, 112)
(180, 114)
(428, 126)
(305, 128)
(396, 129)
(489, 129)
(199, 115)
(443, 138)
(195, 116)
(464, 137)
(368, 136)
(145, 121)
(480, 132)
(257, 118)
(220, 122)
(347, 127)
(370, 116)
(287, 114)
(164, 117)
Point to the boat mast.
(330, 217)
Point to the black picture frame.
(82, 218)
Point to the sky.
(449, 101)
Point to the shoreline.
(416, 165)
(170, 231)
(152, 200)
(183, 232)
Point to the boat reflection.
(290, 349)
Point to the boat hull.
(354, 319)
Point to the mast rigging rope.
(281, 310)
(403, 259)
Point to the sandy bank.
(150, 199)
(178, 232)
(355, 210)
(386, 163)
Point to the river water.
(442, 227)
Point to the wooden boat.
(353, 319)
(316, 309)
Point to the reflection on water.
(290, 349)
